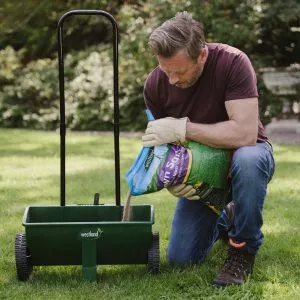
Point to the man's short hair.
(181, 32)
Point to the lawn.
(29, 164)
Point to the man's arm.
(240, 130)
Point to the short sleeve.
(241, 80)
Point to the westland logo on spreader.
(90, 234)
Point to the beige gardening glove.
(164, 131)
(183, 191)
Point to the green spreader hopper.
(87, 235)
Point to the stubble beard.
(196, 75)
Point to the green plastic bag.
(203, 167)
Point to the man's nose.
(173, 79)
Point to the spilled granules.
(127, 211)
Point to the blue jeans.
(196, 227)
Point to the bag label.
(174, 168)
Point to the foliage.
(269, 105)
(279, 33)
(10, 63)
(28, 99)
(33, 26)
(88, 79)
(33, 99)
(231, 22)
(269, 34)
(136, 23)
(89, 91)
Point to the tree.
(267, 33)
(32, 25)
(279, 33)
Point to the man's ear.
(203, 55)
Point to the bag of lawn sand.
(203, 167)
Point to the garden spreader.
(87, 235)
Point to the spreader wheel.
(153, 254)
(23, 259)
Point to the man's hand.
(164, 131)
(183, 191)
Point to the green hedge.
(29, 92)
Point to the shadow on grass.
(76, 144)
(86, 148)
(80, 185)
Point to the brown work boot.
(238, 265)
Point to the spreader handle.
(62, 100)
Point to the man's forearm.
(227, 134)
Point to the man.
(207, 92)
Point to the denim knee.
(243, 161)
(183, 258)
(249, 161)
(188, 255)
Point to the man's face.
(181, 70)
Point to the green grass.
(29, 164)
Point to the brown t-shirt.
(227, 75)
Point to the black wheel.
(153, 254)
(23, 259)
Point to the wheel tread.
(23, 264)
(153, 254)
